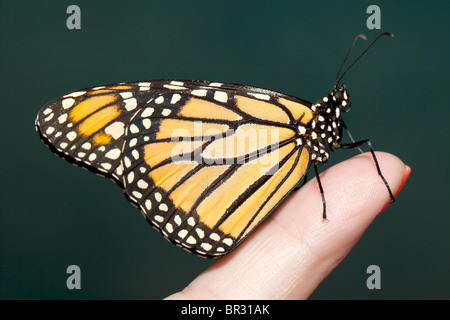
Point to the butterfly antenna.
(370, 45)
(359, 36)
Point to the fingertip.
(363, 188)
(354, 193)
(402, 183)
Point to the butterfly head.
(341, 99)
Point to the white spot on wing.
(206, 246)
(126, 95)
(200, 233)
(71, 135)
(147, 123)
(134, 128)
(182, 233)
(67, 103)
(127, 162)
(49, 117)
(142, 184)
(221, 96)
(133, 142)
(113, 154)
(86, 146)
(260, 96)
(175, 98)
(75, 94)
(199, 92)
(301, 130)
(214, 236)
(130, 104)
(137, 194)
(147, 112)
(168, 86)
(106, 165)
(228, 241)
(169, 227)
(130, 177)
(159, 100)
(62, 118)
(191, 240)
(191, 221)
(116, 129)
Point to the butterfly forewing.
(87, 127)
(205, 162)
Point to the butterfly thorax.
(325, 129)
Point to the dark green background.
(54, 215)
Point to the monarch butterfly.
(204, 161)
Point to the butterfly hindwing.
(205, 162)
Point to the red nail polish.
(405, 177)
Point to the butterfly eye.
(338, 95)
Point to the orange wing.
(205, 162)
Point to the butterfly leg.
(324, 213)
(357, 144)
(350, 136)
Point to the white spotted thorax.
(324, 132)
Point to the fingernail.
(405, 177)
